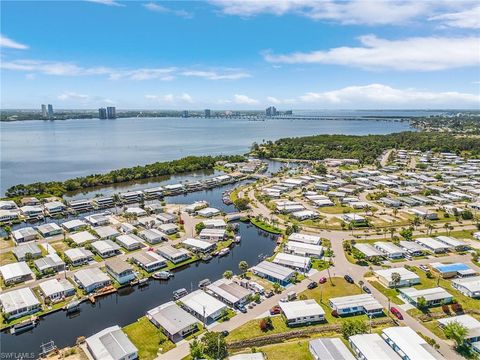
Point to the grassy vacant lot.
(392, 294)
(7, 258)
(338, 209)
(6, 243)
(297, 350)
(147, 338)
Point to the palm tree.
(228, 274)
(396, 278)
(243, 266)
(395, 212)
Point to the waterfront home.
(371, 347)
(197, 205)
(8, 205)
(468, 321)
(329, 349)
(15, 272)
(81, 205)
(32, 211)
(91, 279)
(111, 344)
(51, 263)
(369, 251)
(456, 244)
(173, 189)
(50, 229)
(302, 312)
(105, 248)
(74, 225)
(129, 242)
(215, 224)
(412, 248)
(24, 234)
(168, 229)
(197, 245)
(208, 212)
(469, 286)
(450, 270)
(82, 237)
(8, 215)
(131, 197)
(203, 306)
(274, 272)
(174, 322)
(78, 256)
(106, 232)
(56, 289)
(296, 262)
(229, 292)
(153, 193)
(98, 219)
(104, 202)
(152, 236)
(408, 344)
(213, 235)
(29, 201)
(433, 245)
(356, 304)
(121, 271)
(21, 251)
(303, 249)
(149, 260)
(304, 215)
(166, 218)
(391, 250)
(407, 277)
(173, 254)
(305, 238)
(433, 296)
(18, 303)
(54, 208)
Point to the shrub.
(446, 309)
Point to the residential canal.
(129, 304)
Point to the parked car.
(322, 280)
(225, 333)
(397, 313)
(366, 289)
(242, 308)
(269, 294)
(424, 267)
(275, 310)
(312, 285)
(348, 279)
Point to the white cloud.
(213, 75)
(155, 7)
(184, 98)
(273, 100)
(469, 18)
(164, 74)
(244, 100)
(420, 53)
(384, 96)
(106, 2)
(462, 14)
(70, 95)
(6, 42)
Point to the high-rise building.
(111, 112)
(50, 110)
(185, 113)
(208, 113)
(102, 113)
(289, 112)
(44, 110)
(271, 111)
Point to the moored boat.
(162, 275)
(23, 326)
(224, 252)
(177, 294)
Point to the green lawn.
(7, 258)
(338, 209)
(388, 292)
(148, 339)
(266, 227)
(297, 350)
(252, 329)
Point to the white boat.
(224, 252)
(238, 238)
(162, 275)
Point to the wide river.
(40, 150)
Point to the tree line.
(366, 148)
(59, 188)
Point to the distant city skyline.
(241, 55)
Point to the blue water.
(34, 151)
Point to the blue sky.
(300, 54)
